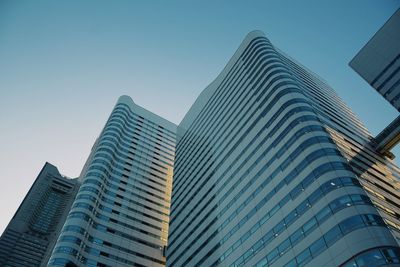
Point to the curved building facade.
(273, 169)
(121, 212)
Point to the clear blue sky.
(63, 65)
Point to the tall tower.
(378, 62)
(273, 169)
(121, 213)
(31, 234)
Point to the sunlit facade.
(121, 213)
(273, 169)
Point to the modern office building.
(273, 169)
(378, 62)
(121, 213)
(31, 234)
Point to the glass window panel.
(296, 191)
(392, 256)
(268, 236)
(284, 246)
(351, 224)
(302, 208)
(296, 236)
(247, 254)
(315, 196)
(284, 200)
(373, 258)
(290, 218)
(303, 257)
(317, 247)
(323, 214)
(332, 236)
(351, 263)
(357, 199)
(272, 256)
(257, 246)
(369, 219)
(279, 228)
(308, 180)
(262, 263)
(309, 226)
(347, 181)
(291, 263)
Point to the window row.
(288, 129)
(305, 230)
(199, 120)
(375, 257)
(334, 234)
(125, 109)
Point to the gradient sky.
(63, 64)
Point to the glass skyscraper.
(273, 169)
(378, 62)
(121, 213)
(32, 232)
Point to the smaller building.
(31, 234)
(121, 213)
(378, 62)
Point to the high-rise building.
(378, 62)
(31, 234)
(273, 169)
(121, 213)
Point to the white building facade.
(273, 169)
(121, 213)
